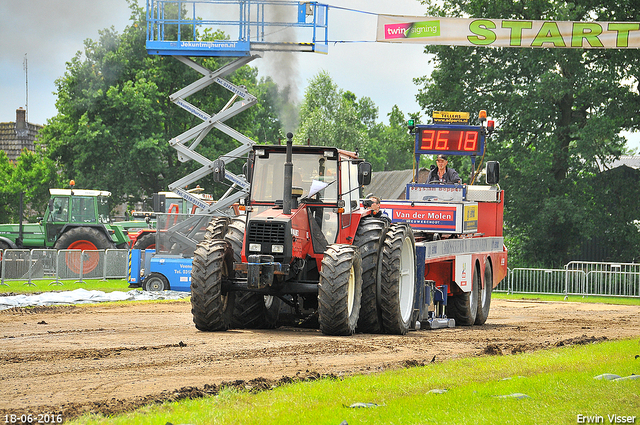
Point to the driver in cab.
(442, 173)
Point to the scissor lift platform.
(251, 25)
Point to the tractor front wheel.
(146, 241)
(255, 311)
(210, 307)
(340, 290)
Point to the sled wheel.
(484, 300)
(464, 307)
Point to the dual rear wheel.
(472, 308)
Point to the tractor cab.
(75, 207)
(313, 204)
(302, 199)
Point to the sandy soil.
(110, 358)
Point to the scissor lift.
(176, 28)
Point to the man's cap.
(441, 156)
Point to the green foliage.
(330, 116)
(115, 119)
(32, 174)
(558, 112)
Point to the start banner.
(508, 33)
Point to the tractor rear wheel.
(217, 228)
(398, 280)
(252, 311)
(340, 290)
(464, 307)
(234, 234)
(146, 241)
(369, 239)
(156, 282)
(484, 301)
(86, 239)
(255, 311)
(210, 307)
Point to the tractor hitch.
(260, 270)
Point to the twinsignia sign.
(508, 33)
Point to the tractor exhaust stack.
(288, 176)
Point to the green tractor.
(75, 219)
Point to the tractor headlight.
(277, 249)
(254, 247)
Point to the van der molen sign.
(508, 33)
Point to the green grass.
(570, 298)
(559, 384)
(19, 287)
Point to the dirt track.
(114, 358)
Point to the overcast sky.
(50, 32)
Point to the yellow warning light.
(72, 183)
(482, 115)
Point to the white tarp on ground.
(83, 296)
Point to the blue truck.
(159, 273)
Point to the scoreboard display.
(449, 139)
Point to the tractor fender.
(348, 234)
(100, 227)
(9, 242)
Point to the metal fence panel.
(543, 281)
(617, 284)
(15, 264)
(577, 278)
(115, 264)
(27, 265)
(589, 266)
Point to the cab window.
(60, 210)
(83, 210)
(103, 210)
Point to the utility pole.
(26, 92)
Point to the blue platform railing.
(189, 27)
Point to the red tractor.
(305, 247)
(308, 250)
